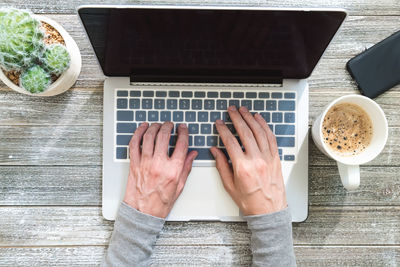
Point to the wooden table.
(51, 160)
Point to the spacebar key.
(203, 154)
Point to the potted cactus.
(37, 56)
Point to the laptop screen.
(183, 42)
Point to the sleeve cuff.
(275, 218)
(132, 214)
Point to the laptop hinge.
(231, 77)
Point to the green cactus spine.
(21, 39)
(56, 59)
(35, 79)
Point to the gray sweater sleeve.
(271, 239)
(133, 238)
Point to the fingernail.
(244, 109)
(213, 152)
(232, 108)
(183, 125)
(219, 122)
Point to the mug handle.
(350, 175)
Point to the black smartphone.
(377, 69)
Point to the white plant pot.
(68, 78)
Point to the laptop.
(187, 64)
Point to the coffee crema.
(347, 129)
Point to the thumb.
(187, 167)
(224, 169)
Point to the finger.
(232, 146)
(163, 137)
(181, 146)
(224, 169)
(148, 140)
(243, 130)
(273, 146)
(187, 167)
(256, 128)
(134, 144)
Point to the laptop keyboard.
(199, 110)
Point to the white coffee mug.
(349, 169)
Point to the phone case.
(377, 69)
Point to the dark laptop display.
(209, 45)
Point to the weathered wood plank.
(81, 186)
(369, 7)
(82, 145)
(202, 255)
(62, 226)
(358, 33)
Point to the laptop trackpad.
(204, 198)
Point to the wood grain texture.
(368, 7)
(307, 256)
(62, 226)
(81, 186)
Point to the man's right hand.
(254, 181)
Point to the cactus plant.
(21, 39)
(35, 79)
(56, 59)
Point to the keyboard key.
(258, 105)
(271, 126)
(276, 95)
(190, 116)
(215, 129)
(231, 128)
(134, 103)
(286, 105)
(212, 94)
(247, 104)
(289, 157)
(199, 140)
(159, 103)
(124, 115)
(290, 117)
(148, 93)
(197, 104)
(140, 115)
(276, 117)
(187, 94)
(266, 116)
(147, 103)
(220, 142)
(178, 116)
(234, 103)
(165, 116)
(135, 93)
(126, 127)
(199, 94)
(225, 94)
(225, 117)
(121, 153)
(202, 116)
(285, 141)
(123, 140)
(215, 116)
(222, 104)
(122, 103)
(212, 140)
(173, 93)
(251, 95)
(238, 95)
(283, 129)
(270, 105)
(122, 93)
(209, 104)
(172, 104)
(161, 93)
(193, 128)
(290, 95)
(153, 116)
(280, 151)
(190, 140)
(206, 129)
(263, 95)
(172, 140)
(203, 153)
(184, 104)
